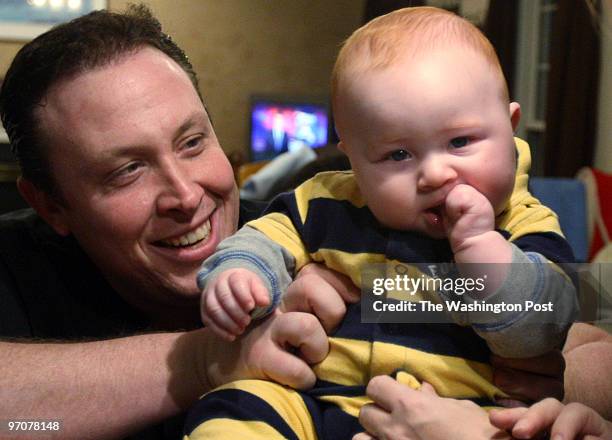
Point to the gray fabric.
(521, 334)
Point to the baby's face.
(418, 128)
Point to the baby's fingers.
(219, 331)
(260, 292)
(249, 291)
(216, 316)
(227, 296)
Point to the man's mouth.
(189, 239)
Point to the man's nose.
(181, 194)
(435, 172)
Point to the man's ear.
(342, 147)
(45, 205)
(515, 114)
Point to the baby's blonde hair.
(409, 31)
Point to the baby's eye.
(399, 155)
(459, 142)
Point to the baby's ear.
(515, 114)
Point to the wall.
(244, 47)
(603, 154)
(240, 47)
(474, 10)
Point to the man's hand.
(532, 379)
(322, 292)
(401, 413)
(279, 348)
(588, 354)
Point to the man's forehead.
(122, 94)
(127, 77)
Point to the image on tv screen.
(280, 127)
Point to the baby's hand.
(229, 298)
(468, 213)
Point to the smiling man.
(131, 191)
(145, 187)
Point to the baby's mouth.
(435, 214)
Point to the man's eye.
(127, 174)
(130, 168)
(399, 155)
(459, 142)
(194, 142)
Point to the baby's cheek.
(502, 192)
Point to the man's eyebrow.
(193, 119)
(196, 118)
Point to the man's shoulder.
(18, 219)
(23, 232)
(21, 227)
(56, 289)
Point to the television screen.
(278, 126)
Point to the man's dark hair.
(83, 44)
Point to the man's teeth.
(191, 237)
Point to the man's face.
(145, 186)
(418, 128)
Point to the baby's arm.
(246, 265)
(517, 277)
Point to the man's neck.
(165, 312)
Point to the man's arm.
(588, 355)
(109, 389)
(99, 389)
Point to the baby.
(423, 114)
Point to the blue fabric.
(567, 198)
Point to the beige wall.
(285, 47)
(242, 47)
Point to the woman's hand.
(564, 422)
(402, 413)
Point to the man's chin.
(180, 291)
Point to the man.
(119, 158)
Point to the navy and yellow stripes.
(326, 220)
